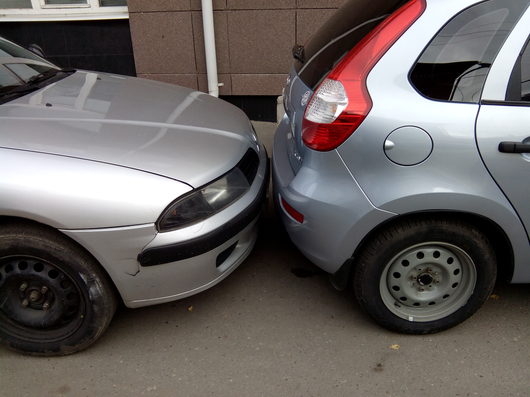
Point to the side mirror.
(37, 50)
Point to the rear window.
(454, 66)
(354, 20)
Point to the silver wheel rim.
(428, 281)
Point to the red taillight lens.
(342, 102)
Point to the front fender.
(70, 193)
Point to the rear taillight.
(342, 102)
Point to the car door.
(503, 124)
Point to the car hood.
(141, 124)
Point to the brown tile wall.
(253, 41)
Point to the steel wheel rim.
(428, 281)
(38, 300)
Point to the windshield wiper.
(7, 95)
(34, 83)
(39, 78)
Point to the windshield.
(9, 49)
(18, 79)
(22, 72)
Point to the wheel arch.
(13, 220)
(495, 234)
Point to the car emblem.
(305, 98)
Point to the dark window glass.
(112, 3)
(65, 2)
(454, 66)
(15, 3)
(354, 20)
(525, 75)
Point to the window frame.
(499, 85)
(514, 88)
(40, 11)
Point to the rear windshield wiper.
(299, 53)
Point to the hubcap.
(428, 281)
(35, 294)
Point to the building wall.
(253, 39)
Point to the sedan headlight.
(204, 202)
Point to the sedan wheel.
(425, 276)
(38, 295)
(54, 298)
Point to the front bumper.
(179, 279)
(337, 213)
(180, 263)
(199, 245)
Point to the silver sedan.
(114, 189)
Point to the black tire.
(54, 297)
(424, 276)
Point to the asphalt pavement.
(276, 327)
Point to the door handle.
(514, 147)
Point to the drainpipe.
(209, 47)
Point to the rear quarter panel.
(453, 178)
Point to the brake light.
(342, 102)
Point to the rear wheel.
(54, 298)
(425, 276)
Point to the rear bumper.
(337, 213)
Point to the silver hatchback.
(402, 162)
